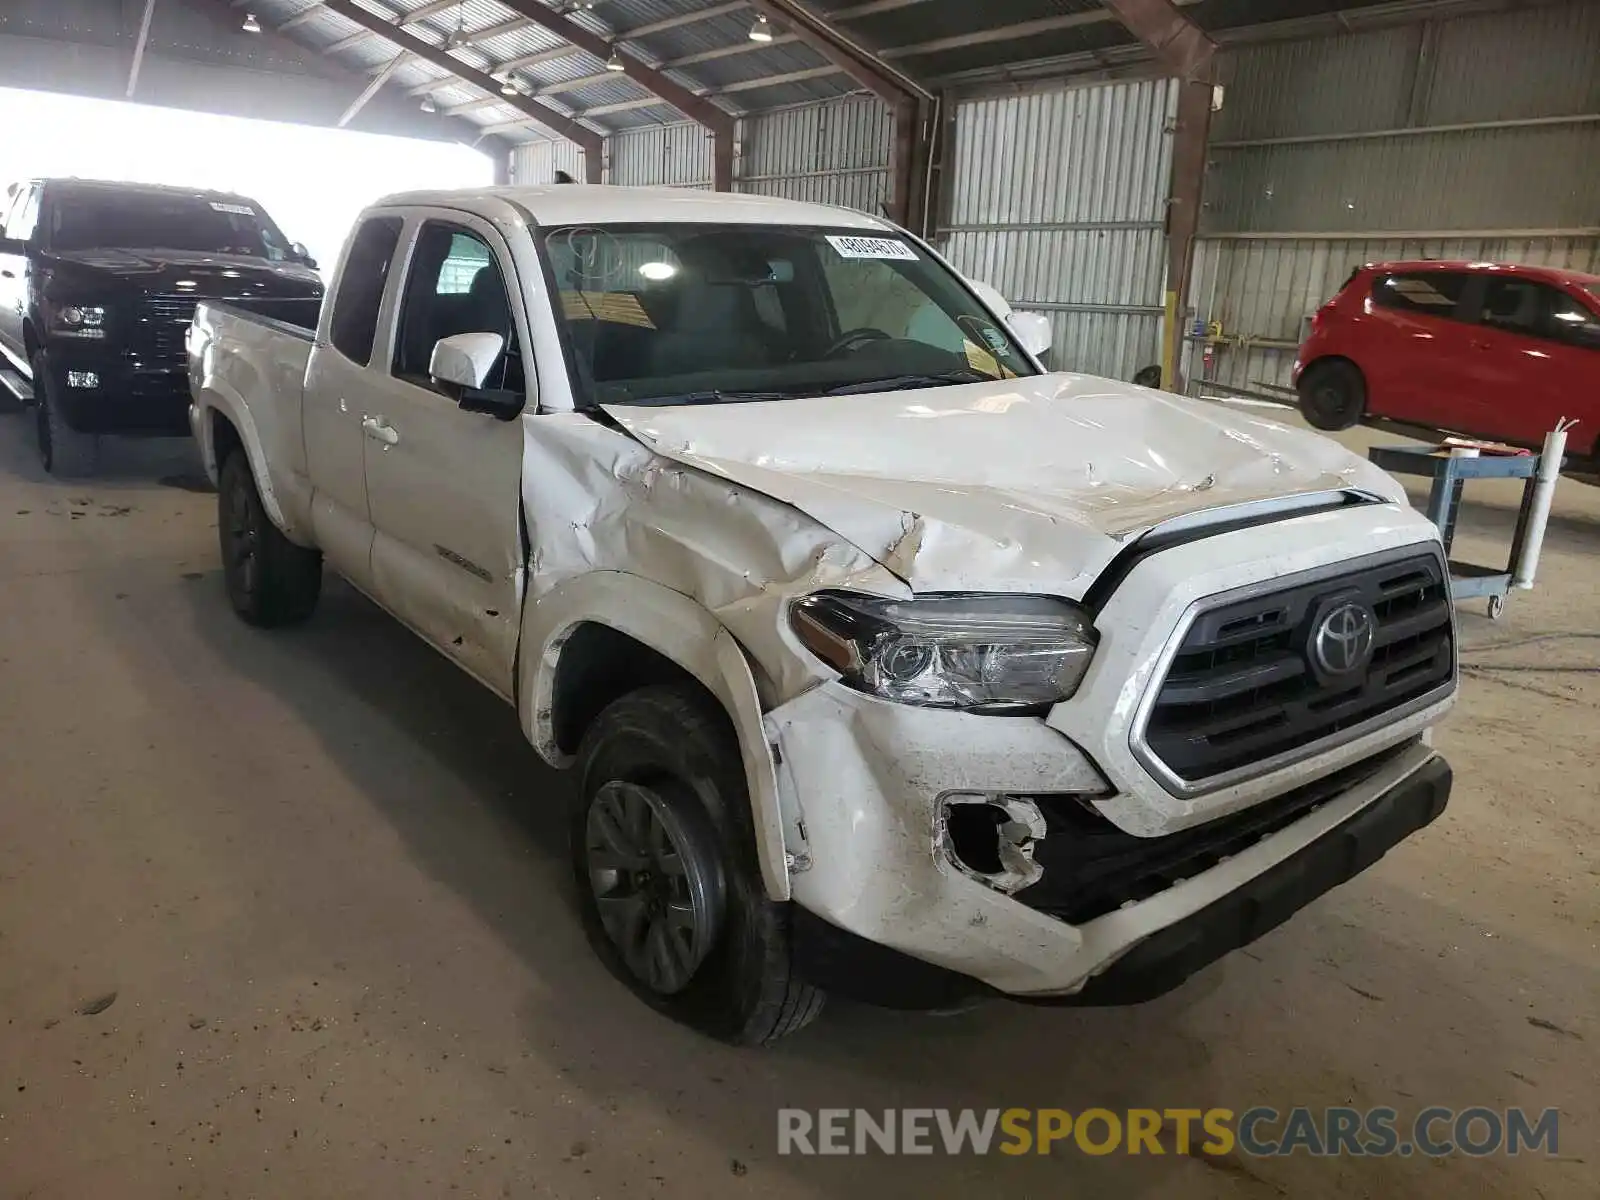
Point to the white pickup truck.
(888, 663)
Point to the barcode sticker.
(872, 247)
(241, 210)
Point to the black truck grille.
(1248, 682)
(159, 326)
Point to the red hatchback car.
(1476, 348)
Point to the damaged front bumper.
(1071, 908)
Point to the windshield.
(146, 221)
(697, 314)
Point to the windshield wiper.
(710, 396)
(894, 383)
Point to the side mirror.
(461, 364)
(1033, 330)
(465, 359)
(991, 296)
(298, 249)
(13, 246)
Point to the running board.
(17, 386)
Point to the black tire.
(270, 580)
(63, 451)
(1333, 395)
(674, 743)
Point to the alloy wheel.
(657, 884)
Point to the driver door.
(444, 486)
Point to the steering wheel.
(854, 339)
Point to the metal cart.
(1449, 473)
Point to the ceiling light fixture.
(251, 25)
(615, 63)
(428, 105)
(508, 86)
(457, 37)
(761, 31)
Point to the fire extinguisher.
(1208, 357)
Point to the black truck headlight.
(983, 653)
(78, 320)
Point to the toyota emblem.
(1343, 640)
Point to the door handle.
(379, 431)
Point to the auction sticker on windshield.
(238, 210)
(871, 247)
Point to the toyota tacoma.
(886, 662)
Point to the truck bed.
(256, 366)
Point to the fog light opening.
(990, 837)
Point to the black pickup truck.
(98, 283)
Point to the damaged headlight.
(987, 653)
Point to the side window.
(455, 286)
(1435, 293)
(366, 268)
(1531, 309)
(24, 214)
(1573, 322)
(1516, 306)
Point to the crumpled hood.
(1016, 485)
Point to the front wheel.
(663, 853)
(63, 451)
(1333, 395)
(270, 580)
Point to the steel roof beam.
(592, 142)
(911, 105)
(682, 19)
(1186, 52)
(1181, 47)
(717, 121)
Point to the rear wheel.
(1333, 395)
(663, 852)
(270, 580)
(63, 451)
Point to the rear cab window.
(354, 324)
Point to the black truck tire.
(735, 981)
(270, 580)
(63, 451)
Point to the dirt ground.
(287, 915)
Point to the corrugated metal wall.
(675, 155)
(1348, 139)
(538, 162)
(832, 153)
(836, 152)
(1058, 200)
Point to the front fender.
(674, 626)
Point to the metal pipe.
(1318, 139)
(138, 49)
(1544, 491)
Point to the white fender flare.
(676, 627)
(216, 394)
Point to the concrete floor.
(314, 882)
